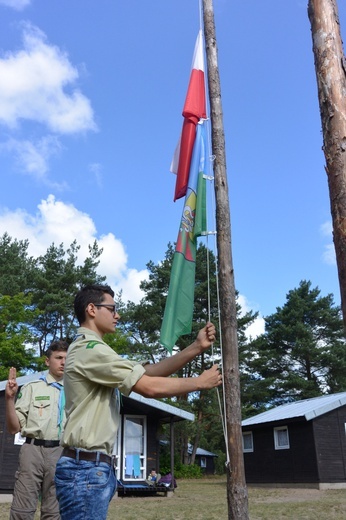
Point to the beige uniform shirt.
(37, 408)
(92, 372)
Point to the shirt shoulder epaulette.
(87, 341)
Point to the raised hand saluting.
(12, 386)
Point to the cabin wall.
(153, 445)
(294, 465)
(330, 441)
(209, 469)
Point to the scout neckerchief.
(61, 404)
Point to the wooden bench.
(141, 489)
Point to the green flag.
(178, 314)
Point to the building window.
(203, 462)
(281, 439)
(135, 447)
(247, 442)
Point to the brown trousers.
(34, 480)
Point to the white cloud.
(257, 326)
(37, 84)
(96, 170)
(32, 158)
(59, 222)
(18, 5)
(114, 257)
(328, 256)
(130, 284)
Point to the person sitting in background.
(153, 478)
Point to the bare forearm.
(155, 387)
(171, 365)
(12, 421)
(166, 387)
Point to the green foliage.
(36, 299)
(180, 470)
(16, 338)
(187, 471)
(220, 462)
(58, 278)
(17, 269)
(302, 353)
(165, 462)
(119, 342)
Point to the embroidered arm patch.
(91, 344)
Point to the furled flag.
(194, 109)
(178, 314)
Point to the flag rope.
(222, 405)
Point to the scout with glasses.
(85, 476)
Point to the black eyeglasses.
(112, 308)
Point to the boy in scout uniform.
(39, 414)
(85, 477)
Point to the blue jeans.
(84, 489)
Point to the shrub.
(187, 471)
(220, 462)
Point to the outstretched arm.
(170, 365)
(12, 421)
(156, 387)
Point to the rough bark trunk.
(330, 68)
(236, 486)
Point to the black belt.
(91, 456)
(42, 442)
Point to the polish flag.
(194, 110)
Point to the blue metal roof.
(307, 408)
(201, 451)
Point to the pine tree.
(302, 352)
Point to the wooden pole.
(236, 486)
(330, 66)
(172, 452)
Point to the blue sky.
(91, 95)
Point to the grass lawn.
(206, 499)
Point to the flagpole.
(236, 486)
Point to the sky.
(91, 95)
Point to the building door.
(134, 447)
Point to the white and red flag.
(194, 109)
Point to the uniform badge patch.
(91, 344)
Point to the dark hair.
(89, 294)
(56, 346)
